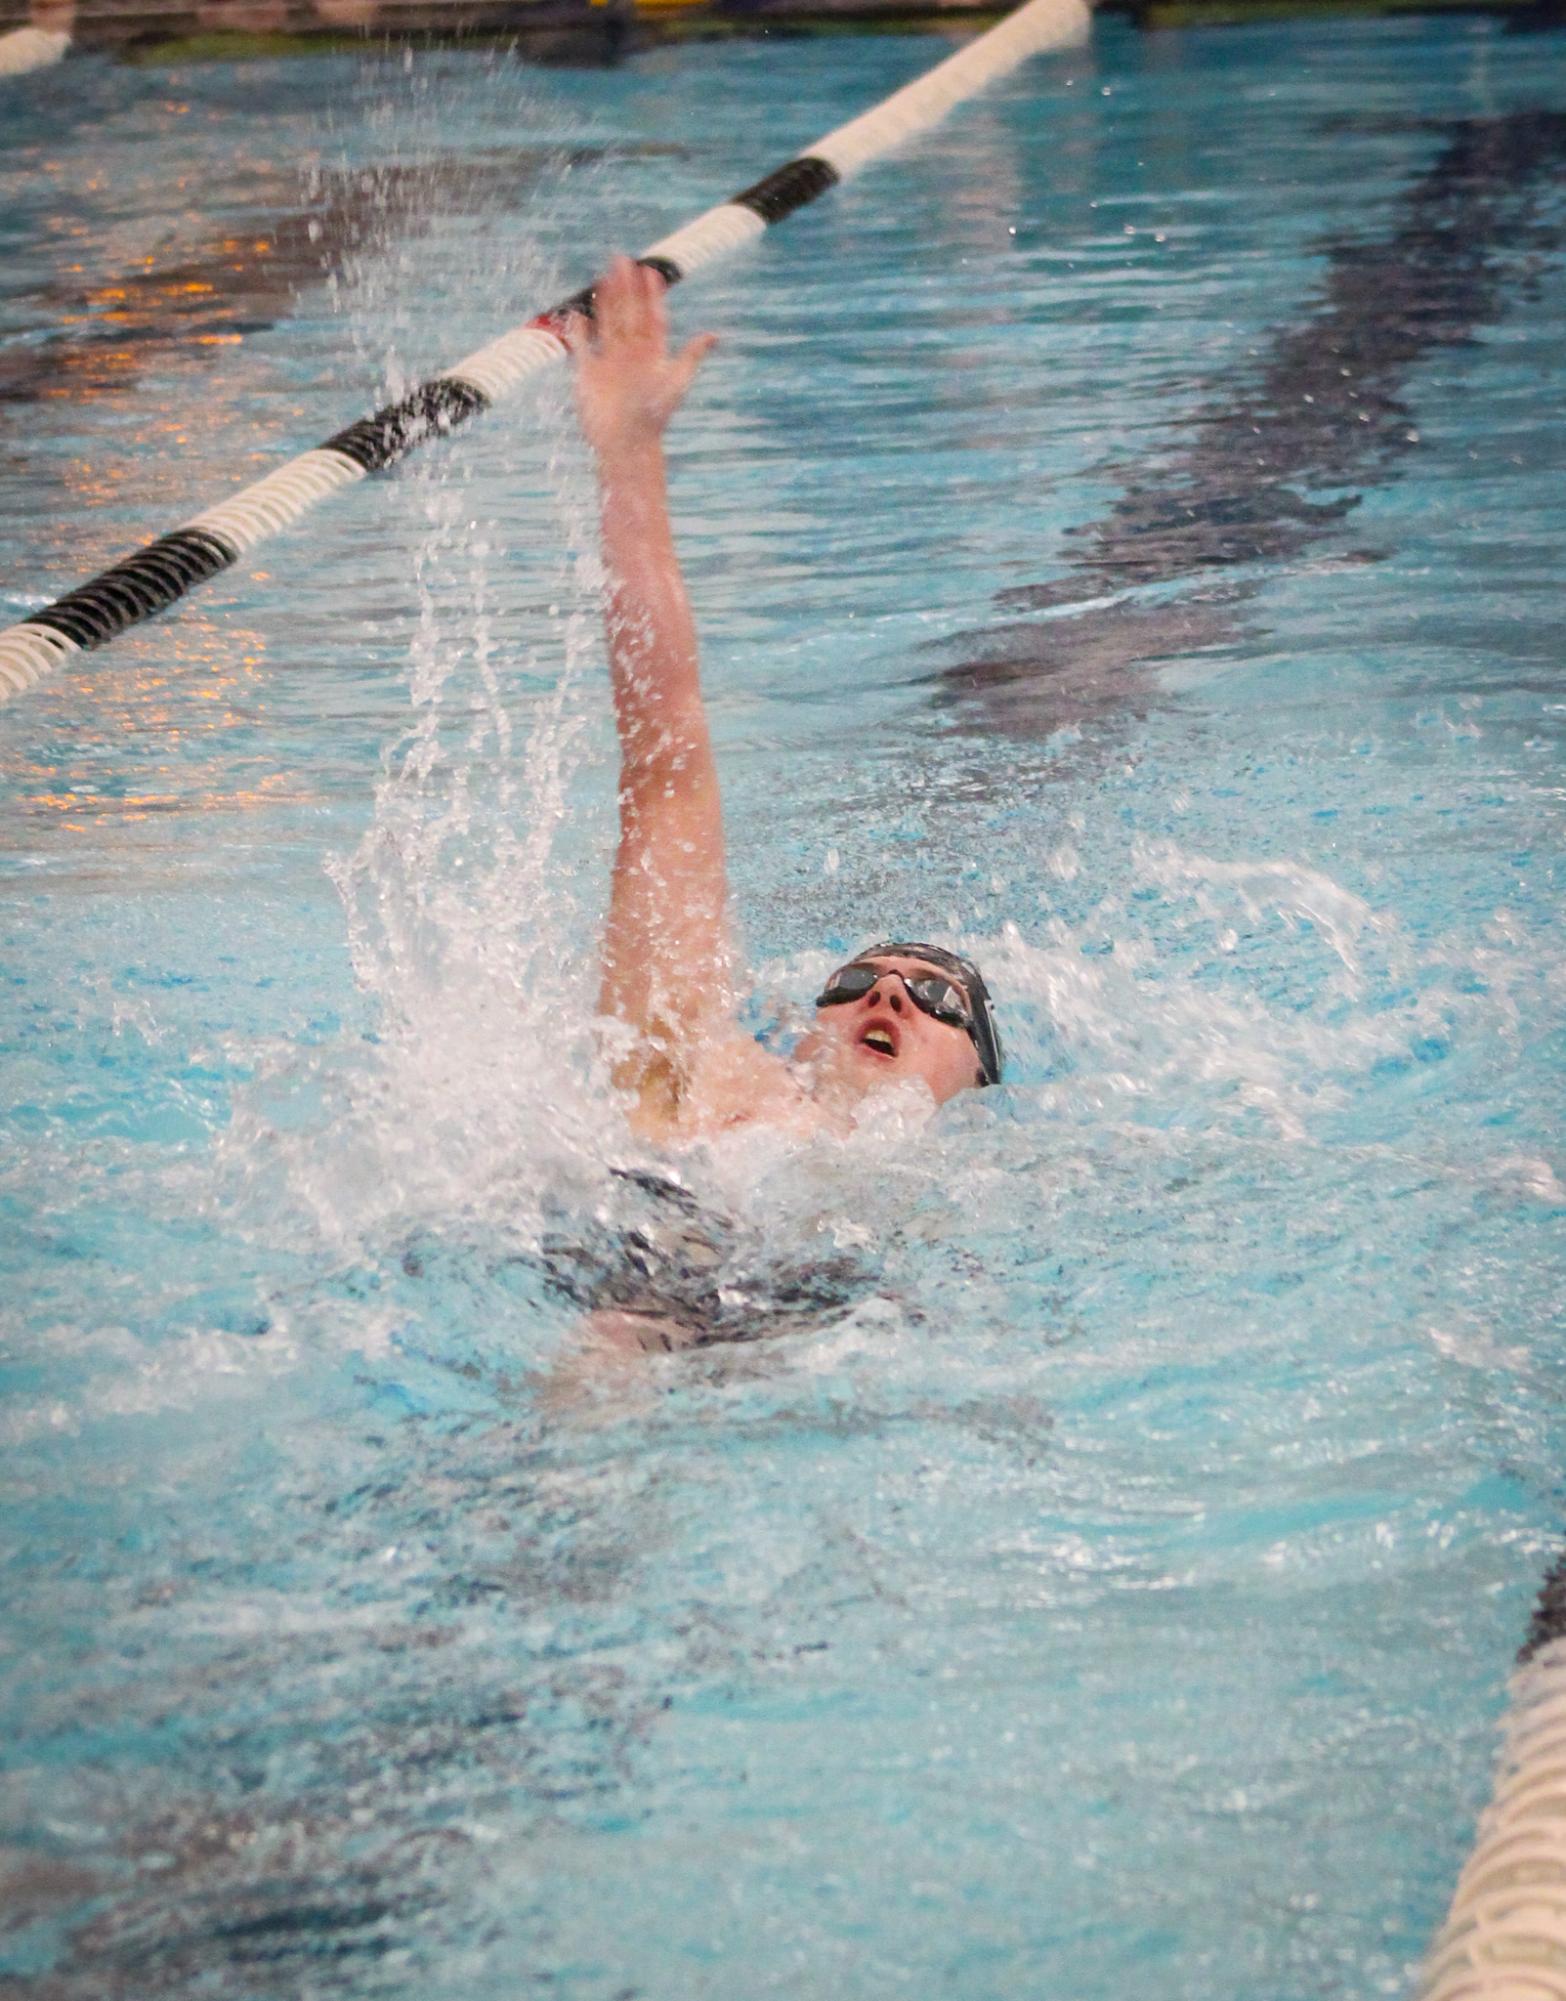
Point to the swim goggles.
(956, 994)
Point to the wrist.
(631, 472)
(630, 450)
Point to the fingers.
(655, 312)
(628, 303)
(691, 357)
(622, 354)
(576, 333)
(616, 301)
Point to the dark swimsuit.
(667, 1258)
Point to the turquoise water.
(1113, 1593)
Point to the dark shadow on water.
(1276, 463)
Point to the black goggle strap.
(986, 1041)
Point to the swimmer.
(898, 1014)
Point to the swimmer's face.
(884, 1038)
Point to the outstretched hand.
(628, 385)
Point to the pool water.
(1125, 533)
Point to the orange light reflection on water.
(126, 808)
(177, 704)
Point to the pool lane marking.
(159, 575)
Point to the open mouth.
(880, 1040)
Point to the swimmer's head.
(906, 1011)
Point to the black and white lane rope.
(165, 570)
(1504, 1938)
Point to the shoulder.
(731, 1081)
(737, 1079)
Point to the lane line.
(165, 570)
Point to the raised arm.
(666, 970)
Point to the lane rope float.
(162, 572)
(28, 48)
(1504, 1938)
